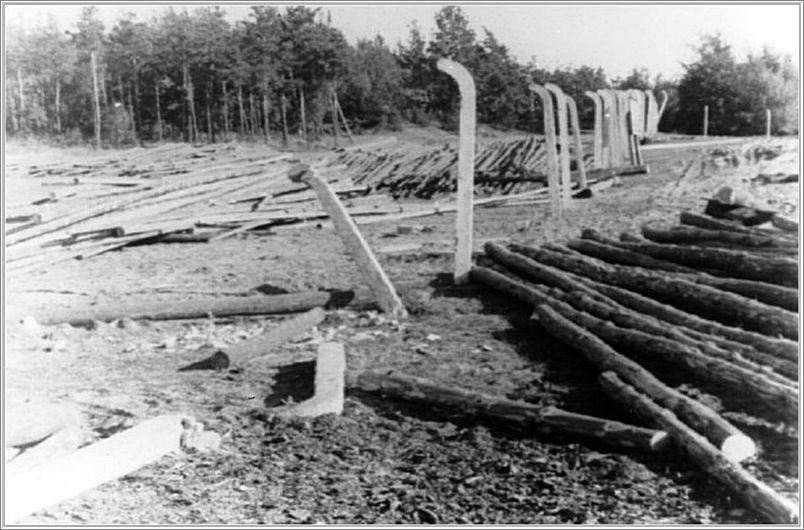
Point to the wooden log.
(783, 223)
(648, 339)
(356, 244)
(770, 269)
(711, 223)
(758, 496)
(543, 420)
(466, 172)
(689, 234)
(724, 306)
(258, 347)
(764, 292)
(588, 297)
(179, 309)
(734, 444)
(111, 458)
(329, 384)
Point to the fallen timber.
(779, 354)
(734, 444)
(768, 293)
(711, 223)
(543, 420)
(739, 264)
(726, 307)
(689, 234)
(758, 496)
(179, 309)
(718, 368)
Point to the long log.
(734, 444)
(590, 298)
(767, 293)
(777, 397)
(544, 420)
(356, 244)
(689, 234)
(180, 309)
(711, 223)
(724, 306)
(739, 264)
(58, 480)
(758, 496)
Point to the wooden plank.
(356, 244)
(576, 135)
(554, 179)
(466, 172)
(598, 131)
(563, 135)
(58, 480)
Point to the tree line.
(194, 76)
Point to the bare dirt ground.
(381, 461)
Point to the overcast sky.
(616, 37)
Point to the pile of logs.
(172, 193)
(711, 300)
(502, 167)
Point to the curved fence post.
(598, 141)
(550, 144)
(661, 109)
(563, 138)
(610, 109)
(638, 111)
(652, 121)
(576, 137)
(466, 170)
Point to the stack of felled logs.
(502, 167)
(716, 305)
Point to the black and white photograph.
(401, 264)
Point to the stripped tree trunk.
(283, 103)
(94, 67)
(265, 113)
(241, 106)
(225, 103)
(159, 132)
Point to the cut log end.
(738, 448)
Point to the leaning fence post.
(598, 142)
(553, 182)
(466, 170)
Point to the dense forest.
(192, 75)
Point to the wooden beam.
(353, 239)
(330, 365)
(576, 136)
(706, 121)
(563, 135)
(58, 480)
(466, 172)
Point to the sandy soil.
(380, 462)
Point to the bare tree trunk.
(334, 113)
(283, 103)
(225, 109)
(158, 113)
(97, 101)
(242, 111)
(58, 105)
(265, 114)
(21, 87)
(137, 115)
(252, 121)
(191, 102)
(134, 135)
(303, 125)
(210, 133)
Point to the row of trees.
(192, 75)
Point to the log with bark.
(634, 310)
(544, 420)
(710, 223)
(648, 340)
(767, 293)
(739, 264)
(689, 234)
(734, 444)
(726, 307)
(179, 309)
(758, 496)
